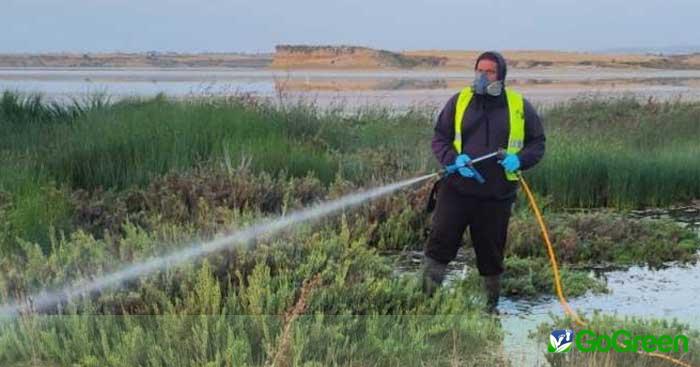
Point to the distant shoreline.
(135, 60)
(353, 58)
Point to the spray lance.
(432, 197)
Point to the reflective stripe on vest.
(516, 118)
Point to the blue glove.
(460, 165)
(511, 163)
(461, 162)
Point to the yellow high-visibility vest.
(516, 118)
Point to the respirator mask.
(482, 85)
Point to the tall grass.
(22, 110)
(620, 153)
(31, 206)
(616, 153)
(25, 120)
(131, 142)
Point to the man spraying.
(481, 119)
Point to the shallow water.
(399, 89)
(668, 293)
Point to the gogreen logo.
(560, 341)
(622, 340)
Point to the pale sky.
(258, 25)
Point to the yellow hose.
(557, 278)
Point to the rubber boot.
(433, 275)
(492, 285)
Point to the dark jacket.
(485, 129)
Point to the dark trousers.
(488, 227)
